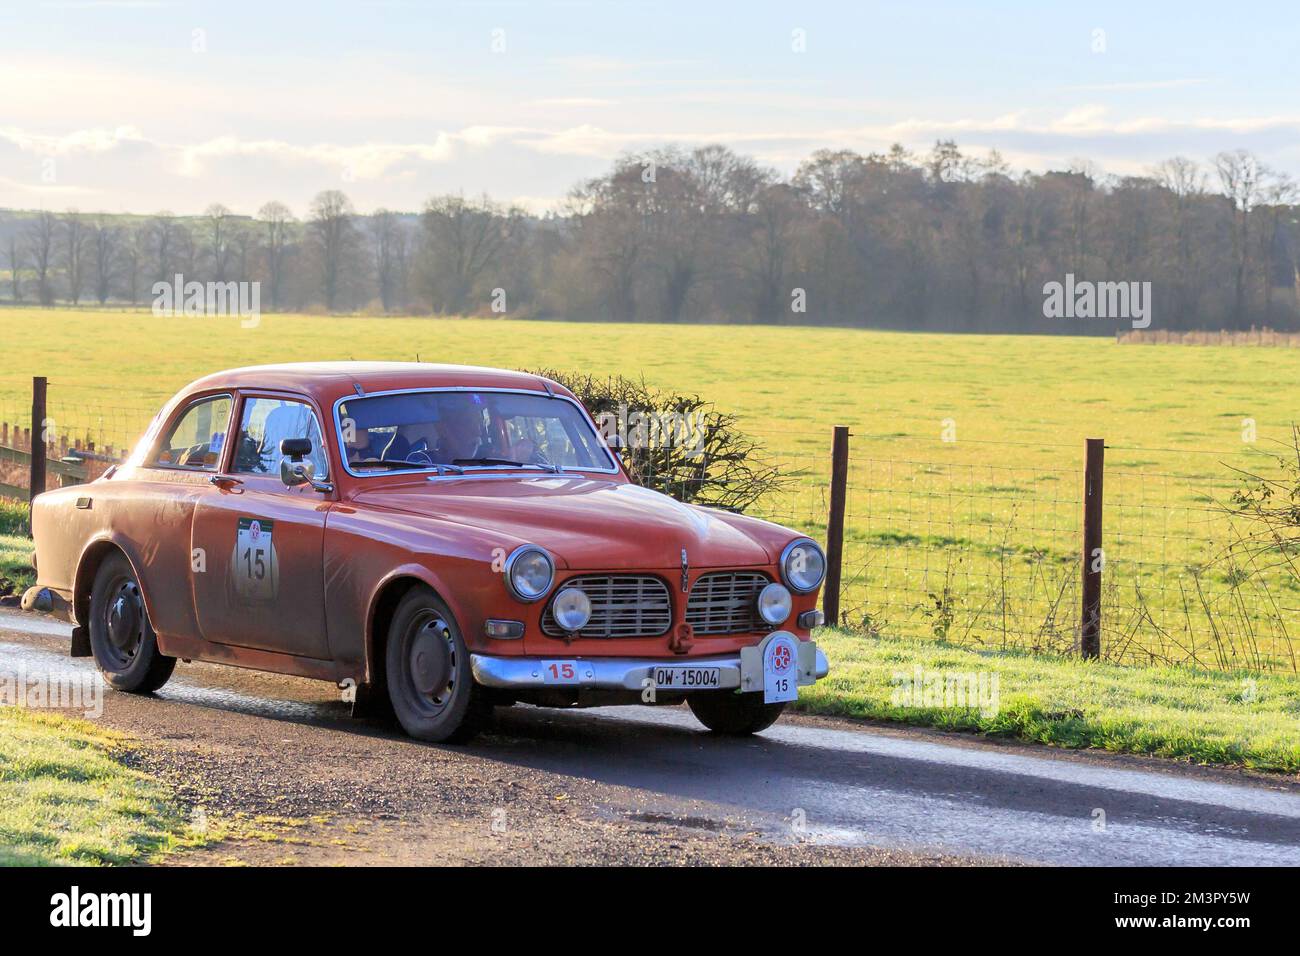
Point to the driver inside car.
(461, 431)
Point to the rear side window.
(268, 421)
(196, 440)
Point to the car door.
(171, 480)
(260, 543)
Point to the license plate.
(560, 672)
(687, 678)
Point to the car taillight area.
(719, 603)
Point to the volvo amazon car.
(438, 540)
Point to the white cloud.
(128, 167)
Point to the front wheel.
(121, 638)
(736, 715)
(430, 683)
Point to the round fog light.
(572, 609)
(774, 603)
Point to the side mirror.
(294, 471)
(295, 448)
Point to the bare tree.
(15, 267)
(462, 240)
(105, 239)
(243, 250)
(135, 253)
(770, 253)
(161, 240)
(217, 240)
(278, 222)
(1240, 175)
(1185, 183)
(75, 241)
(1276, 198)
(333, 236)
(388, 241)
(41, 235)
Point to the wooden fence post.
(37, 484)
(1094, 557)
(835, 524)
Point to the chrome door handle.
(224, 481)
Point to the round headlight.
(774, 603)
(529, 572)
(572, 609)
(803, 565)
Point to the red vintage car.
(439, 540)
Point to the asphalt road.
(641, 785)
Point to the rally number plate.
(780, 674)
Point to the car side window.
(196, 440)
(268, 421)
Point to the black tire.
(736, 715)
(430, 684)
(121, 638)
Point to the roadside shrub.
(14, 518)
(675, 443)
(1271, 505)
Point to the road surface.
(640, 785)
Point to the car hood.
(587, 524)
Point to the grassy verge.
(68, 798)
(1209, 717)
(16, 549)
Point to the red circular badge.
(781, 658)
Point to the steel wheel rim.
(124, 622)
(430, 634)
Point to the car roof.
(328, 381)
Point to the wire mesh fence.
(957, 541)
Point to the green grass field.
(16, 552)
(973, 540)
(69, 799)
(1182, 713)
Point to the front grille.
(726, 602)
(622, 605)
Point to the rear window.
(198, 437)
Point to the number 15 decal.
(255, 570)
(560, 672)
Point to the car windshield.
(459, 430)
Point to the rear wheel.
(430, 683)
(737, 715)
(122, 640)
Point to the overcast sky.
(128, 105)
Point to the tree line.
(942, 240)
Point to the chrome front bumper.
(737, 671)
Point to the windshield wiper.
(393, 463)
(487, 461)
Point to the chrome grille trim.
(726, 602)
(622, 605)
